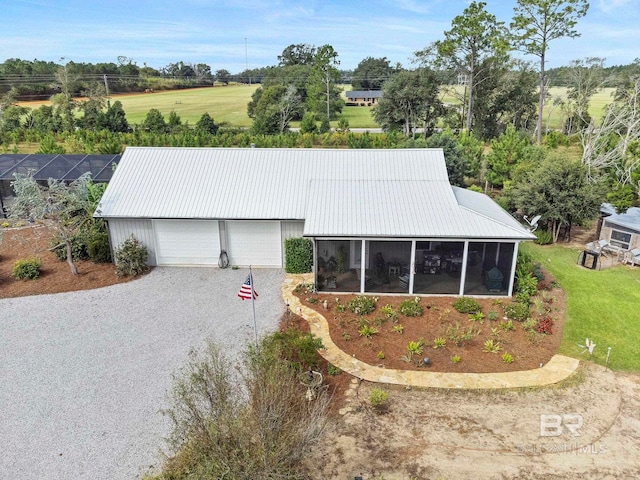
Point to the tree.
(297, 54)
(64, 100)
(60, 205)
(206, 124)
(114, 119)
(410, 100)
(274, 108)
(223, 76)
(323, 95)
(538, 22)
(371, 73)
(586, 78)
(154, 122)
(475, 36)
(460, 156)
(507, 152)
(559, 191)
(93, 106)
(613, 144)
(175, 122)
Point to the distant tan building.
(364, 97)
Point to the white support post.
(412, 266)
(513, 268)
(363, 270)
(463, 272)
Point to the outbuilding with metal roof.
(381, 220)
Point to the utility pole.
(246, 59)
(106, 87)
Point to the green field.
(602, 305)
(229, 104)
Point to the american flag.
(246, 289)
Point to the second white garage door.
(254, 243)
(187, 242)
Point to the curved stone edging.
(557, 369)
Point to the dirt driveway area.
(527, 434)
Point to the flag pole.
(253, 305)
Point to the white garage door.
(187, 242)
(254, 243)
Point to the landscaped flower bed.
(486, 335)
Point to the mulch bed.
(388, 347)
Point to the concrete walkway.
(557, 369)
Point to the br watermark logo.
(556, 425)
(565, 425)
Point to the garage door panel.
(254, 243)
(187, 242)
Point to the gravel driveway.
(83, 375)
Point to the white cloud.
(609, 6)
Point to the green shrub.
(362, 304)
(298, 254)
(455, 358)
(27, 268)
(411, 308)
(526, 283)
(378, 398)
(297, 347)
(333, 370)
(543, 237)
(507, 357)
(98, 248)
(131, 258)
(467, 305)
(78, 248)
(517, 311)
(389, 312)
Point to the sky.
(236, 34)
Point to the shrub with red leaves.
(544, 325)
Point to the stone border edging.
(557, 369)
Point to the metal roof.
(58, 166)
(404, 208)
(364, 94)
(629, 219)
(359, 192)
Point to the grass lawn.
(229, 104)
(602, 305)
(224, 104)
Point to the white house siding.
(253, 242)
(122, 228)
(291, 229)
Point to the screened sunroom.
(429, 267)
(418, 238)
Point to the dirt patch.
(55, 276)
(487, 434)
(388, 347)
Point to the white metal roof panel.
(402, 208)
(392, 192)
(247, 183)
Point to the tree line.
(499, 104)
